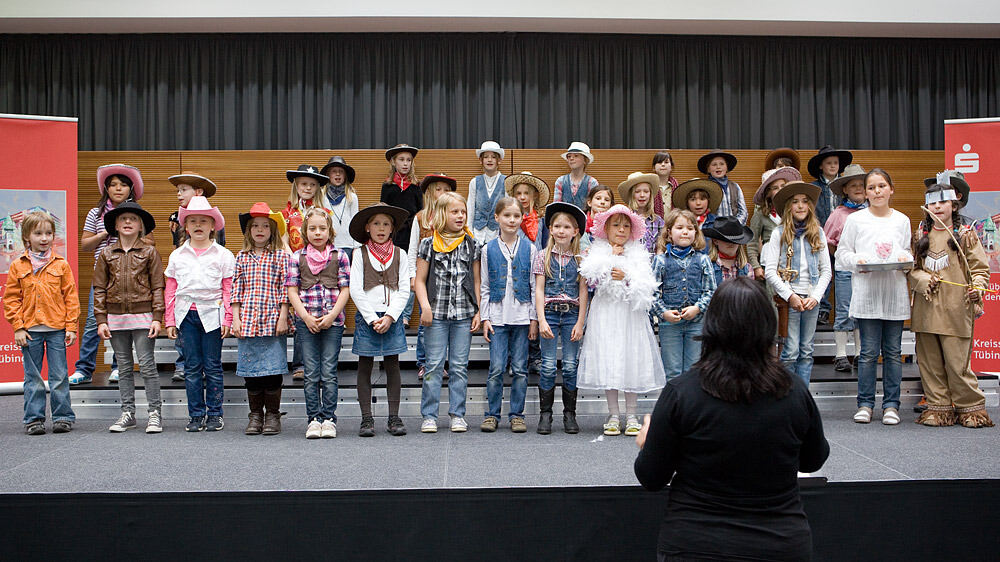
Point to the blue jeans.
(883, 337)
(446, 339)
(203, 367)
(179, 348)
(53, 346)
(678, 347)
(831, 290)
(90, 343)
(797, 355)
(320, 357)
(405, 318)
(561, 324)
(508, 342)
(842, 281)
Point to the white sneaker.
(328, 430)
(315, 430)
(459, 425)
(890, 416)
(79, 378)
(429, 425)
(113, 377)
(125, 421)
(864, 415)
(155, 423)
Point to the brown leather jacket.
(128, 282)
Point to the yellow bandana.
(448, 242)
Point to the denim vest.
(812, 261)
(564, 280)
(486, 204)
(520, 271)
(828, 201)
(680, 284)
(580, 199)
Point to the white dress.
(619, 349)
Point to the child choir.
(591, 274)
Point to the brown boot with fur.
(272, 415)
(937, 416)
(974, 417)
(255, 399)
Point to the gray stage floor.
(91, 459)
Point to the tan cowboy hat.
(851, 172)
(206, 185)
(534, 181)
(679, 198)
(791, 189)
(634, 179)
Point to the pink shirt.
(835, 224)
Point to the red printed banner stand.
(37, 171)
(972, 146)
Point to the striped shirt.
(318, 300)
(259, 289)
(140, 321)
(95, 225)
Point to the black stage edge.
(897, 520)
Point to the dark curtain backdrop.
(282, 91)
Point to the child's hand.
(809, 304)
(154, 330)
(795, 302)
(312, 324)
(617, 249)
(973, 294)
(577, 333)
(690, 312)
(672, 316)
(282, 328)
(487, 330)
(426, 317)
(70, 338)
(21, 337)
(640, 439)
(617, 274)
(544, 330)
(758, 273)
(103, 331)
(172, 332)
(475, 323)
(237, 328)
(327, 320)
(382, 325)
(533, 330)
(224, 332)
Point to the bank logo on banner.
(967, 162)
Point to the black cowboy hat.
(729, 229)
(307, 171)
(563, 207)
(148, 224)
(357, 226)
(338, 162)
(392, 152)
(813, 166)
(441, 177)
(704, 160)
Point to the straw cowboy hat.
(783, 152)
(792, 189)
(206, 185)
(845, 157)
(130, 172)
(431, 178)
(392, 152)
(564, 207)
(360, 220)
(851, 172)
(261, 209)
(534, 181)
(634, 179)
(199, 205)
(338, 162)
(490, 146)
(307, 171)
(706, 159)
(955, 179)
(786, 173)
(681, 192)
(601, 219)
(729, 229)
(577, 147)
(148, 224)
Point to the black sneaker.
(367, 427)
(823, 319)
(197, 423)
(214, 423)
(61, 426)
(842, 365)
(395, 426)
(35, 428)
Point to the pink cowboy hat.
(130, 172)
(199, 205)
(600, 219)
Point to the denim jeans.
(320, 357)
(179, 348)
(883, 337)
(561, 324)
(446, 339)
(407, 312)
(797, 354)
(297, 349)
(678, 347)
(508, 342)
(831, 290)
(122, 341)
(53, 346)
(90, 343)
(844, 322)
(203, 367)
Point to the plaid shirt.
(318, 300)
(451, 302)
(259, 289)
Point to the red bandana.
(381, 252)
(399, 180)
(725, 256)
(701, 218)
(529, 224)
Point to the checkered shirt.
(259, 289)
(318, 300)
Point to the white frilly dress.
(619, 349)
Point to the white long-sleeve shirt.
(483, 235)
(879, 294)
(771, 259)
(341, 216)
(370, 303)
(509, 311)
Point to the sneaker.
(920, 406)
(459, 425)
(125, 421)
(517, 425)
(178, 376)
(197, 423)
(613, 426)
(890, 416)
(842, 365)
(395, 426)
(35, 428)
(214, 423)
(420, 373)
(632, 425)
(823, 318)
(489, 425)
(429, 425)
(155, 423)
(62, 426)
(299, 373)
(367, 427)
(315, 430)
(113, 377)
(328, 430)
(863, 415)
(80, 378)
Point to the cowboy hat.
(431, 178)
(337, 161)
(130, 172)
(206, 185)
(634, 179)
(851, 172)
(199, 205)
(261, 209)
(681, 192)
(490, 146)
(307, 171)
(148, 224)
(791, 189)
(392, 152)
(955, 179)
(564, 207)
(704, 160)
(577, 147)
(783, 152)
(360, 220)
(729, 229)
(511, 181)
(601, 219)
(845, 157)
(786, 173)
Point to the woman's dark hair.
(662, 156)
(923, 244)
(738, 365)
(104, 196)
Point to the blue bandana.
(335, 194)
(800, 228)
(679, 253)
(855, 206)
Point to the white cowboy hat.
(490, 146)
(577, 147)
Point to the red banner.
(37, 170)
(972, 146)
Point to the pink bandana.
(316, 259)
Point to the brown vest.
(328, 276)
(389, 277)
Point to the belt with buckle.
(561, 307)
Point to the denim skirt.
(369, 343)
(262, 356)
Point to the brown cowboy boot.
(256, 401)
(272, 415)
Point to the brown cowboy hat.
(442, 177)
(360, 220)
(206, 185)
(791, 189)
(783, 152)
(681, 192)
